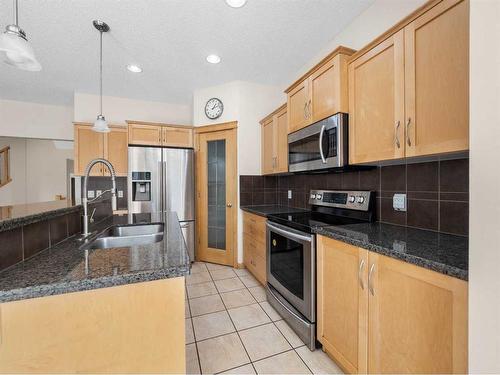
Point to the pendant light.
(100, 124)
(18, 50)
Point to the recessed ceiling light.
(213, 59)
(236, 3)
(134, 68)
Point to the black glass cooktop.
(305, 221)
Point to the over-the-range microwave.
(322, 145)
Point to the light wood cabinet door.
(268, 146)
(116, 150)
(376, 103)
(328, 89)
(147, 135)
(343, 302)
(297, 107)
(437, 80)
(281, 142)
(177, 136)
(417, 319)
(89, 145)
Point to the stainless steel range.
(291, 254)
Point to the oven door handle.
(285, 233)
(294, 314)
(321, 133)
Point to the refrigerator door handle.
(160, 173)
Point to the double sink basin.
(126, 236)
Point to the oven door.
(291, 259)
(319, 146)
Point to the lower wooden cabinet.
(377, 314)
(254, 245)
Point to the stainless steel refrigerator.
(160, 180)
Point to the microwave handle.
(321, 133)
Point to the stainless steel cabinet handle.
(370, 282)
(360, 274)
(398, 144)
(322, 132)
(229, 205)
(408, 131)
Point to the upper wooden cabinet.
(381, 315)
(408, 92)
(154, 134)
(274, 144)
(90, 145)
(321, 92)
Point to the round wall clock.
(214, 108)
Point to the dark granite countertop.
(66, 268)
(15, 216)
(444, 253)
(266, 210)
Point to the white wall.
(25, 119)
(117, 110)
(484, 224)
(246, 103)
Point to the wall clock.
(214, 108)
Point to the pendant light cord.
(16, 13)
(100, 74)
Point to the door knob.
(229, 205)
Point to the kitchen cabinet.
(155, 134)
(319, 93)
(377, 314)
(254, 245)
(106, 330)
(90, 145)
(274, 144)
(408, 93)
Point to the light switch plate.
(90, 194)
(289, 194)
(399, 202)
(120, 193)
(98, 192)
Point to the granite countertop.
(66, 268)
(266, 210)
(22, 214)
(444, 253)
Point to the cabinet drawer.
(255, 226)
(257, 247)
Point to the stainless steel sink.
(126, 236)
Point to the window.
(4, 166)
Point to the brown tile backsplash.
(58, 229)
(36, 238)
(11, 251)
(437, 192)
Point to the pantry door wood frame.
(226, 131)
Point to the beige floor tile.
(237, 298)
(224, 273)
(198, 267)
(198, 278)
(289, 334)
(263, 341)
(228, 285)
(211, 325)
(189, 332)
(200, 290)
(273, 314)
(187, 313)
(221, 354)
(318, 361)
(259, 293)
(247, 369)
(213, 266)
(192, 364)
(206, 304)
(248, 316)
(285, 363)
(241, 272)
(249, 281)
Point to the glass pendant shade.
(18, 50)
(101, 125)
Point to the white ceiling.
(266, 41)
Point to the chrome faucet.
(86, 201)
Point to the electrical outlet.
(289, 194)
(120, 193)
(399, 202)
(90, 194)
(98, 192)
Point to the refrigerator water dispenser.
(141, 186)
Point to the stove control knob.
(352, 198)
(361, 199)
(318, 197)
(313, 196)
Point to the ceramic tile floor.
(232, 329)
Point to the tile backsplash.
(437, 192)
